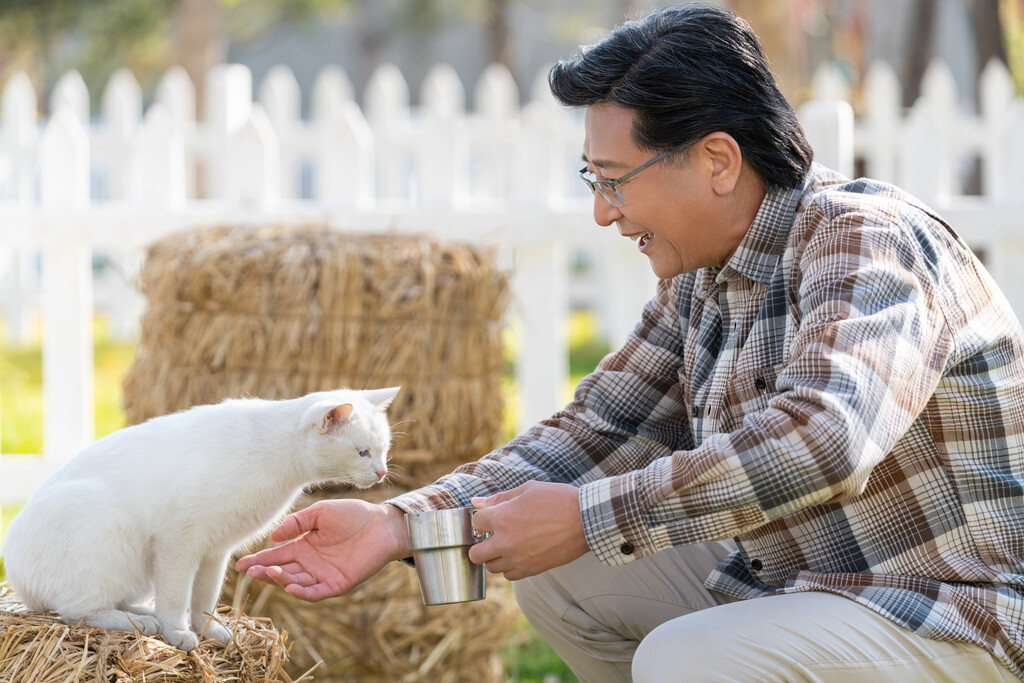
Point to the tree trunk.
(919, 48)
(497, 27)
(199, 43)
(988, 32)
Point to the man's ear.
(338, 415)
(726, 159)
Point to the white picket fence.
(500, 172)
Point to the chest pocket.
(749, 391)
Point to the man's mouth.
(642, 238)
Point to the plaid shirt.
(845, 398)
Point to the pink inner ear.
(338, 415)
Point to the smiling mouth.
(642, 238)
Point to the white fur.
(156, 510)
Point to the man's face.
(671, 208)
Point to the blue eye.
(365, 453)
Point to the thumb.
(481, 502)
(295, 524)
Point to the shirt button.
(760, 383)
(626, 548)
(756, 565)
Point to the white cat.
(155, 510)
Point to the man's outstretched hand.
(333, 546)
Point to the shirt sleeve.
(870, 347)
(624, 416)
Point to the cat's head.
(348, 436)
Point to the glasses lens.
(608, 194)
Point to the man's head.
(687, 71)
(691, 76)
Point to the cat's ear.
(381, 398)
(338, 415)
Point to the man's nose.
(604, 213)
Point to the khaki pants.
(653, 621)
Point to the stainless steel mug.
(440, 541)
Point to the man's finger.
(313, 593)
(279, 555)
(291, 574)
(294, 525)
(481, 502)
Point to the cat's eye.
(365, 453)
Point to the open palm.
(332, 547)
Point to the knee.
(674, 652)
(650, 661)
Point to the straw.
(37, 647)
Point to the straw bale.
(37, 647)
(279, 311)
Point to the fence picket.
(71, 92)
(66, 289)
(18, 140)
(388, 113)
(158, 161)
(880, 127)
(254, 162)
(281, 99)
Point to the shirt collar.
(758, 253)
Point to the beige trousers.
(653, 621)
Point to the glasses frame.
(609, 189)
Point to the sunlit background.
(46, 37)
(970, 53)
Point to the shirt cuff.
(597, 509)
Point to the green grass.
(21, 391)
(528, 659)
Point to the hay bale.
(280, 311)
(37, 647)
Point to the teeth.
(642, 236)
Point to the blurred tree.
(46, 37)
(781, 37)
(41, 37)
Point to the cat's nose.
(381, 473)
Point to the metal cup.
(440, 541)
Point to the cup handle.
(478, 535)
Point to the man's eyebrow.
(601, 163)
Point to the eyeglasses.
(609, 189)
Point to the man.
(823, 407)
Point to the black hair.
(687, 71)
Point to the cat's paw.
(144, 624)
(215, 631)
(183, 640)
